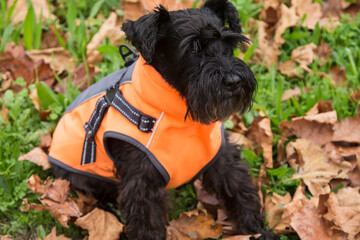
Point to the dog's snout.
(232, 81)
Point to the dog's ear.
(226, 11)
(145, 32)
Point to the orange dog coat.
(143, 111)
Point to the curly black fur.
(193, 50)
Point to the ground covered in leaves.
(301, 139)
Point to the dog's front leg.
(143, 201)
(229, 178)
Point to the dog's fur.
(193, 51)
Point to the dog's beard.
(209, 100)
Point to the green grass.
(22, 131)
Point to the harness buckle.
(146, 123)
(125, 52)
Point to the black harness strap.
(114, 98)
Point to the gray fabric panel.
(70, 169)
(141, 147)
(102, 85)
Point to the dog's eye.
(195, 47)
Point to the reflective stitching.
(84, 151)
(97, 119)
(126, 105)
(124, 113)
(95, 109)
(92, 160)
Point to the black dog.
(193, 51)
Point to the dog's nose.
(232, 81)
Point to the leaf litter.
(326, 153)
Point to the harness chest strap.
(115, 99)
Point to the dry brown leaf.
(199, 226)
(274, 206)
(4, 113)
(52, 236)
(171, 5)
(309, 225)
(243, 237)
(37, 156)
(62, 212)
(54, 199)
(45, 140)
(58, 58)
(320, 107)
(34, 183)
(17, 64)
(101, 225)
(338, 75)
(203, 196)
(316, 169)
(111, 29)
(288, 19)
(20, 10)
(260, 132)
(311, 9)
(344, 210)
(323, 52)
(347, 130)
(58, 190)
(355, 95)
(237, 138)
(267, 51)
(5, 237)
(290, 93)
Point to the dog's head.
(193, 50)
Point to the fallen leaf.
(199, 226)
(290, 93)
(316, 169)
(344, 210)
(58, 190)
(111, 29)
(34, 183)
(58, 58)
(260, 132)
(62, 212)
(4, 113)
(52, 236)
(171, 5)
(288, 19)
(267, 51)
(203, 196)
(323, 52)
(355, 95)
(347, 130)
(274, 206)
(45, 140)
(16, 63)
(55, 199)
(100, 225)
(243, 237)
(309, 225)
(5, 237)
(338, 75)
(20, 10)
(37, 156)
(320, 107)
(311, 9)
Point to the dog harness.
(135, 105)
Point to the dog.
(185, 82)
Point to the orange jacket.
(180, 149)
